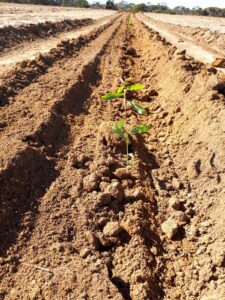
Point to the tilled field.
(212, 23)
(13, 14)
(14, 36)
(76, 222)
(197, 30)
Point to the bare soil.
(25, 46)
(211, 23)
(75, 221)
(12, 14)
(209, 36)
(13, 36)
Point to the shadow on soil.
(21, 185)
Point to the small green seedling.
(122, 93)
(121, 131)
(128, 21)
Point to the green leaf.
(120, 124)
(138, 108)
(135, 87)
(119, 130)
(139, 129)
(121, 88)
(110, 96)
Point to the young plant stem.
(127, 144)
(120, 129)
(124, 104)
(127, 135)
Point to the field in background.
(21, 14)
(76, 221)
(212, 23)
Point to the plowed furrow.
(28, 70)
(82, 233)
(71, 108)
(43, 99)
(13, 36)
(45, 134)
(77, 222)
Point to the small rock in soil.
(110, 161)
(104, 185)
(218, 256)
(175, 203)
(180, 217)
(167, 162)
(104, 198)
(137, 194)
(115, 189)
(192, 233)
(107, 179)
(90, 182)
(92, 239)
(102, 221)
(127, 183)
(176, 183)
(103, 172)
(85, 252)
(170, 227)
(112, 229)
(123, 173)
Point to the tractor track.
(59, 157)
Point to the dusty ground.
(40, 39)
(200, 42)
(29, 30)
(13, 37)
(12, 14)
(75, 221)
(211, 23)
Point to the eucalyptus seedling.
(122, 93)
(123, 134)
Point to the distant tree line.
(123, 5)
(75, 3)
(163, 8)
(180, 10)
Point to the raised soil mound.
(12, 36)
(76, 222)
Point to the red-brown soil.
(28, 70)
(212, 40)
(13, 36)
(209, 39)
(75, 221)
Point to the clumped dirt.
(212, 40)
(13, 36)
(76, 221)
(29, 70)
(209, 39)
(212, 23)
